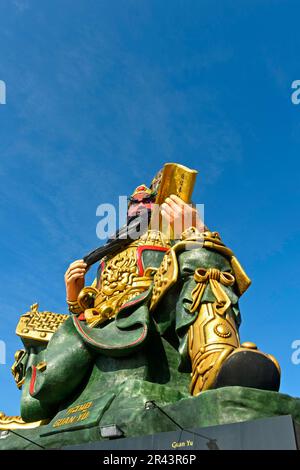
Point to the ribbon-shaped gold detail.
(215, 278)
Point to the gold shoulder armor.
(165, 277)
(167, 273)
(212, 241)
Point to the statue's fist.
(74, 279)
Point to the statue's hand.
(180, 215)
(74, 279)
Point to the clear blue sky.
(101, 93)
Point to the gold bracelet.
(74, 307)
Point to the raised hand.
(180, 215)
(74, 279)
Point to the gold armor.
(122, 279)
(213, 336)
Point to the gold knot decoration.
(216, 279)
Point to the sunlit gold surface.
(164, 278)
(248, 345)
(192, 233)
(74, 307)
(216, 279)
(16, 422)
(120, 281)
(212, 241)
(39, 326)
(41, 366)
(212, 338)
(17, 368)
(176, 179)
(167, 273)
(242, 280)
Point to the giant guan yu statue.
(160, 322)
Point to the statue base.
(86, 424)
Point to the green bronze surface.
(213, 407)
(90, 377)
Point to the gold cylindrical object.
(211, 339)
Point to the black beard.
(121, 238)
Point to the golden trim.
(215, 278)
(191, 233)
(39, 326)
(243, 282)
(16, 422)
(120, 281)
(17, 369)
(167, 273)
(165, 277)
(86, 297)
(249, 345)
(274, 360)
(211, 339)
(191, 238)
(74, 307)
(41, 366)
(219, 247)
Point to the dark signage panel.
(277, 433)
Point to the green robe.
(139, 351)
